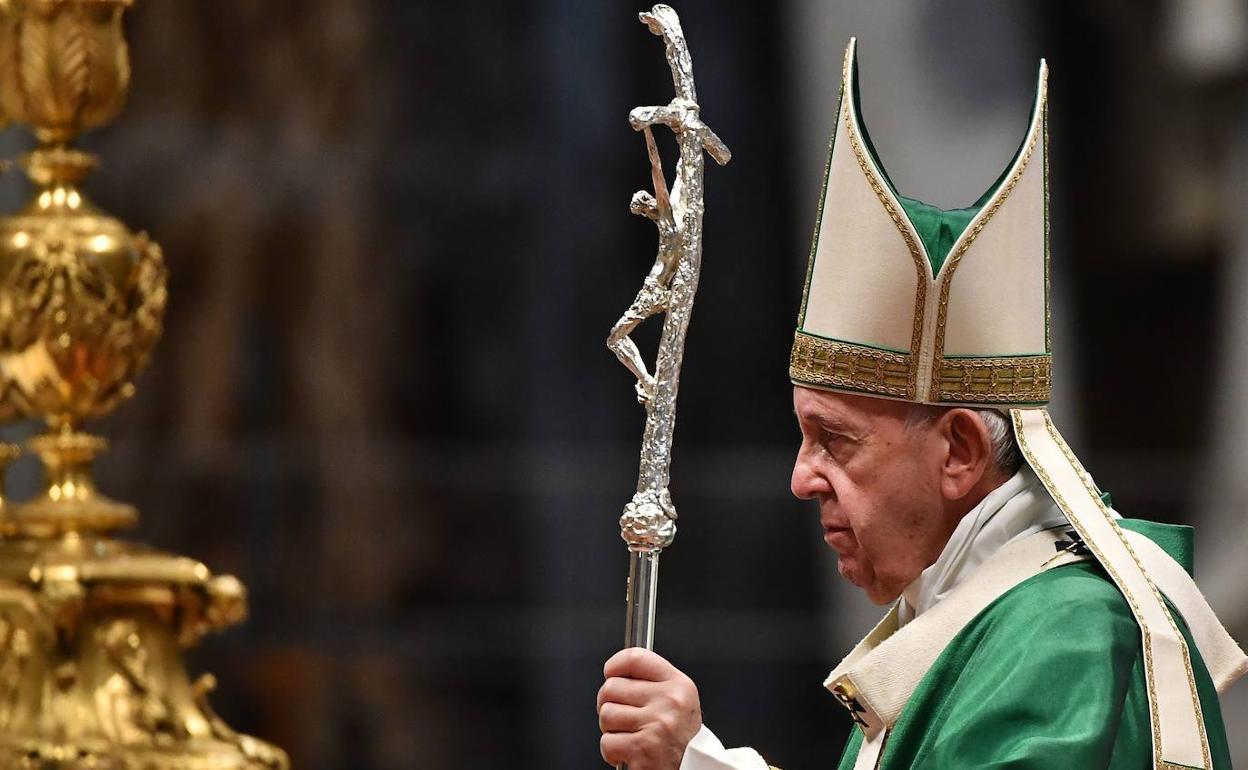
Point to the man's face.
(877, 481)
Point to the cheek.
(874, 529)
(890, 521)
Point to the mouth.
(838, 538)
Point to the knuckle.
(683, 698)
(675, 699)
(689, 685)
(612, 691)
(634, 655)
(687, 694)
(667, 723)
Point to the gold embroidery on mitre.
(828, 363)
(981, 221)
(1009, 380)
(921, 268)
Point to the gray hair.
(1005, 453)
(1004, 446)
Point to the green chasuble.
(1049, 675)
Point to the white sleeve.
(705, 752)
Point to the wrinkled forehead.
(856, 410)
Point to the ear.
(969, 456)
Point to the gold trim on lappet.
(921, 268)
(946, 278)
(1008, 380)
(1187, 656)
(1158, 762)
(832, 364)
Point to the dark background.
(398, 234)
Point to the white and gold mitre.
(908, 301)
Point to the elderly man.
(1031, 626)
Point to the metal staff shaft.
(643, 595)
(643, 589)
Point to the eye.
(830, 437)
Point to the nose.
(807, 481)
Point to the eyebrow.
(832, 422)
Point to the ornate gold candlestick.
(91, 628)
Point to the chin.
(881, 596)
(852, 572)
(876, 593)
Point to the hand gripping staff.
(649, 521)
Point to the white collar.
(1018, 508)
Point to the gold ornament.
(64, 65)
(92, 628)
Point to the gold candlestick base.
(91, 638)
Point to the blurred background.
(399, 232)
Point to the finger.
(619, 748)
(639, 663)
(629, 692)
(617, 718)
